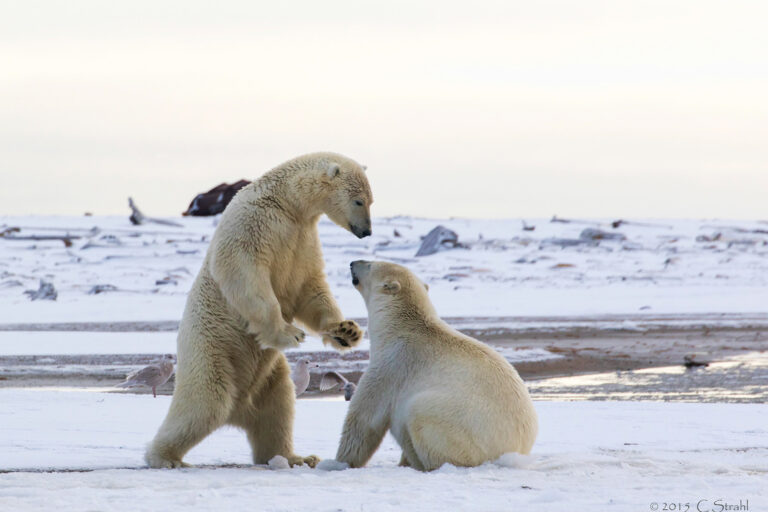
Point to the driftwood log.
(137, 218)
(45, 292)
(598, 234)
(7, 234)
(440, 237)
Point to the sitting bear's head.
(390, 286)
(349, 199)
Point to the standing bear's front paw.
(344, 335)
(288, 337)
(298, 460)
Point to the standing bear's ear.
(390, 287)
(333, 170)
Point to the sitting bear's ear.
(365, 167)
(390, 287)
(426, 286)
(333, 170)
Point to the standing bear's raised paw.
(344, 335)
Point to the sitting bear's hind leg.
(436, 442)
(409, 457)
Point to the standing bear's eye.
(359, 203)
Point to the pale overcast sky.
(480, 109)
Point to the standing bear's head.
(391, 288)
(348, 195)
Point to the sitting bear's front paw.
(344, 335)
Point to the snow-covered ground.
(588, 456)
(661, 267)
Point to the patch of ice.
(278, 462)
(42, 343)
(332, 465)
(515, 460)
(525, 355)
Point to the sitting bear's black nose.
(355, 280)
(366, 233)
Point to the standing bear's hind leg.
(190, 419)
(268, 420)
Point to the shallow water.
(739, 379)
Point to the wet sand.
(598, 359)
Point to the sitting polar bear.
(445, 397)
(263, 270)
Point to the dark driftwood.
(696, 359)
(597, 234)
(6, 235)
(588, 237)
(45, 292)
(66, 239)
(568, 242)
(738, 229)
(137, 218)
(622, 222)
(102, 288)
(555, 218)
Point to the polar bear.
(263, 270)
(446, 397)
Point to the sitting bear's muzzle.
(359, 269)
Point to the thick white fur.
(446, 397)
(263, 270)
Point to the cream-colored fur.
(446, 397)
(263, 270)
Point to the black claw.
(342, 342)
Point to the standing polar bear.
(445, 397)
(263, 270)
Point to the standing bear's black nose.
(360, 232)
